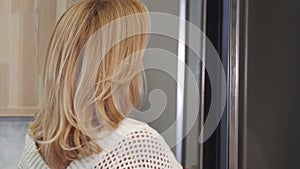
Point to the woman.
(92, 77)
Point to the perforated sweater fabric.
(133, 145)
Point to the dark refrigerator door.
(270, 132)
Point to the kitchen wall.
(157, 79)
(12, 135)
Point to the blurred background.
(257, 42)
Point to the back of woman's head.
(91, 76)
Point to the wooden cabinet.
(25, 30)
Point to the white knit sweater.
(133, 145)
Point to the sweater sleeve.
(140, 149)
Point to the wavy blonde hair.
(80, 93)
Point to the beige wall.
(25, 30)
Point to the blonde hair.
(84, 91)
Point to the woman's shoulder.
(134, 130)
(30, 157)
(129, 126)
(128, 129)
(134, 144)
